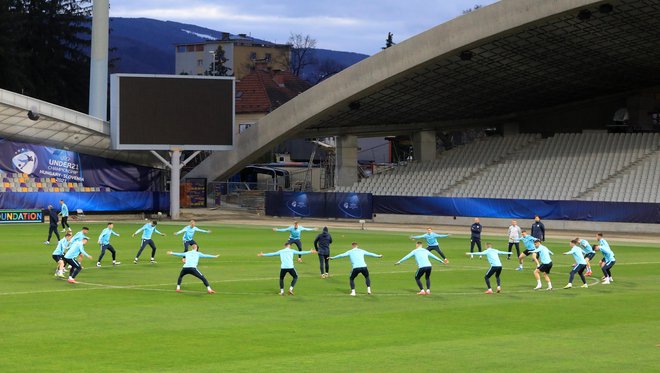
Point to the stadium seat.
(80, 213)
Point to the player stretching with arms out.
(528, 241)
(546, 264)
(294, 235)
(581, 264)
(147, 231)
(71, 257)
(424, 266)
(495, 265)
(188, 234)
(58, 254)
(432, 242)
(356, 255)
(190, 266)
(104, 242)
(286, 266)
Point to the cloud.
(358, 26)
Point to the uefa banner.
(67, 166)
(21, 216)
(319, 205)
(624, 212)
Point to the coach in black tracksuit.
(322, 245)
(475, 236)
(52, 228)
(538, 229)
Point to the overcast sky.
(353, 26)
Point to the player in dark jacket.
(322, 245)
(538, 229)
(475, 235)
(52, 227)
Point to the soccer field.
(129, 318)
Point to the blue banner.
(88, 201)
(66, 166)
(319, 205)
(627, 212)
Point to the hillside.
(144, 45)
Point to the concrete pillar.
(424, 146)
(98, 71)
(346, 173)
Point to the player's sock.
(368, 289)
(538, 283)
(549, 285)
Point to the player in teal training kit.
(58, 254)
(424, 266)
(104, 242)
(588, 252)
(528, 242)
(432, 242)
(190, 266)
(495, 265)
(71, 257)
(64, 213)
(188, 234)
(546, 264)
(580, 264)
(147, 231)
(604, 247)
(286, 259)
(294, 235)
(606, 263)
(356, 255)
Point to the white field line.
(145, 287)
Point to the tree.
(327, 68)
(302, 52)
(46, 54)
(389, 41)
(218, 65)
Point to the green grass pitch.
(130, 319)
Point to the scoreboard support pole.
(175, 166)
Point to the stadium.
(517, 110)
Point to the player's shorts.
(589, 255)
(545, 268)
(527, 252)
(57, 258)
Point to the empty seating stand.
(18, 182)
(567, 166)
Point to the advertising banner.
(320, 205)
(67, 166)
(21, 216)
(40, 161)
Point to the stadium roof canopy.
(59, 127)
(506, 58)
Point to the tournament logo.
(299, 205)
(351, 206)
(25, 161)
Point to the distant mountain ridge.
(147, 46)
